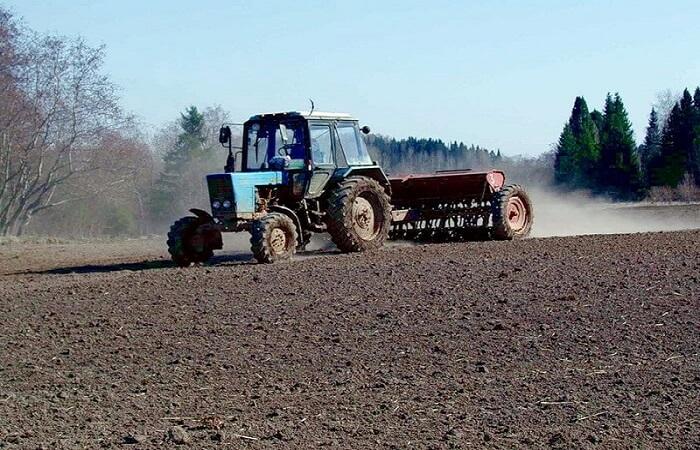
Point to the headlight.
(227, 204)
(216, 204)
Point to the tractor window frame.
(340, 160)
(361, 151)
(246, 130)
(314, 163)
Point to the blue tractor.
(298, 173)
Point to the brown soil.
(575, 342)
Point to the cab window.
(321, 147)
(264, 142)
(354, 148)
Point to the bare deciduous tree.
(664, 104)
(55, 105)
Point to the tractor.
(302, 173)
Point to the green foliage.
(651, 148)
(120, 221)
(189, 142)
(695, 151)
(578, 149)
(667, 169)
(566, 162)
(680, 144)
(597, 118)
(619, 170)
(188, 147)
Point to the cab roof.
(304, 114)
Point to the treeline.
(428, 155)
(176, 159)
(72, 163)
(420, 155)
(597, 151)
(65, 144)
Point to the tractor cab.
(295, 141)
(289, 157)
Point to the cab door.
(322, 157)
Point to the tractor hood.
(234, 195)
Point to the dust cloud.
(556, 214)
(569, 214)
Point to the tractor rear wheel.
(512, 213)
(273, 238)
(188, 243)
(359, 215)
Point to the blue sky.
(502, 74)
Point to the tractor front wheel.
(512, 213)
(273, 238)
(359, 215)
(192, 240)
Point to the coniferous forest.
(413, 154)
(597, 151)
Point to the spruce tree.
(679, 144)
(695, 153)
(597, 118)
(565, 161)
(651, 148)
(189, 145)
(619, 170)
(586, 134)
(669, 166)
(578, 149)
(687, 125)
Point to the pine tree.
(565, 160)
(189, 145)
(669, 165)
(651, 148)
(695, 152)
(578, 149)
(597, 118)
(585, 131)
(687, 127)
(619, 170)
(679, 144)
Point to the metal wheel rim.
(278, 241)
(363, 219)
(516, 214)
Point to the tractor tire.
(273, 238)
(359, 215)
(181, 237)
(512, 213)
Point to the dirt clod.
(134, 439)
(179, 435)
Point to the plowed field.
(571, 342)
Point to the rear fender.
(374, 172)
(202, 214)
(208, 230)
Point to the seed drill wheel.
(512, 213)
(273, 238)
(189, 242)
(359, 215)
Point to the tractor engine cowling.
(233, 196)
